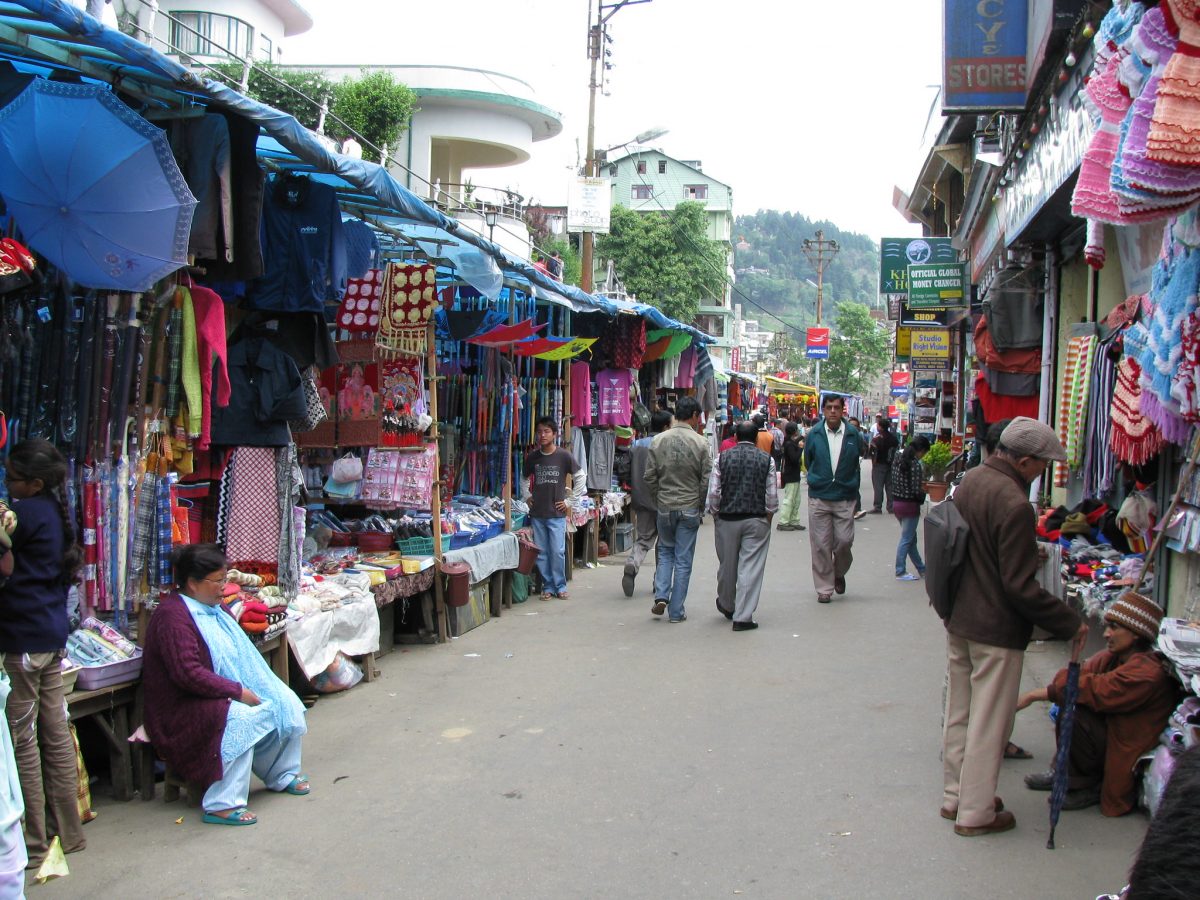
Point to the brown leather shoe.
(1004, 821)
(952, 814)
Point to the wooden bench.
(112, 709)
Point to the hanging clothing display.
(581, 393)
(409, 299)
(612, 397)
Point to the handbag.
(347, 469)
(314, 413)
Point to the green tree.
(375, 106)
(666, 259)
(858, 350)
(297, 92)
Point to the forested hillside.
(772, 268)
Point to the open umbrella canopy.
(93, 186)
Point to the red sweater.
(186, 702)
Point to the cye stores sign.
(985, 55)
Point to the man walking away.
(742, 498)
(996, 606)
(832, 453)
(777, 435)
(764, 439)
(883, 451)
(554, 474)
(793, 456)
(677, 473)
(645, 513)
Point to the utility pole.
(820, 253)
(597, 38)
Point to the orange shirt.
(766, 442)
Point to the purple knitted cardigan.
(186, 702)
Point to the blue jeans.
(551, 536)
(677, 531)
(908, 546)
(276, 762)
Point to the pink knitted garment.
(1175, 131)
(210, 345)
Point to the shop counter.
(112, 709)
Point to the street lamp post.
(489, 217)
(820, 252)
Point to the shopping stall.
(794, 401)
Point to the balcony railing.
(456, 199)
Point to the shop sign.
(936, 286)
(891, 412)
(984, 68)
(930, 348)
(893, 302)
(900, 383)
(986, 239)
(817, 343)
(897, 254)
(902, 341)
(1057, 150)
(956, 444)
(735, 359)
(922, 317)
(589, 202)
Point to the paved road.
(584, 748)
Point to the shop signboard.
(817, 343)
(891, 411)
(902, 341)
(897, 254)
(735, 359)
(589, 201)
(930, 348)
(936, 286)
(984, 68)
(923, 318)
(900, 383)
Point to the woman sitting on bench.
(214, 710)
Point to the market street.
(584, 748)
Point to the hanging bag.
(347, 469)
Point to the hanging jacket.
(304, 248)
(266, 393)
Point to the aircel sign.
(985, 58)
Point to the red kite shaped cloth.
(506, 334)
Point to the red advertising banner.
(817, 343)
(900, 383)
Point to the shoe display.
(627, 583)
(744, 626)
(1040, 781)
(659, 607)
(1004, 821)
(839, 585)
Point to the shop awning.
(783, 386)
(52, 34)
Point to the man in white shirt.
(833, 456)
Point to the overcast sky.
(812, 107)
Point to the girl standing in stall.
(46, 560)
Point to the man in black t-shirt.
(882, 451)
(553, 476)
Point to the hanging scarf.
(235, 658)
(1135, 439)
(359, 309)
(409, 300)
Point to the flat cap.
(1029, 437)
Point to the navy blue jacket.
(304, 248)
(33, 602)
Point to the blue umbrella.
(1066, 728)
(93, 186)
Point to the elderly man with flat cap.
(997, 604)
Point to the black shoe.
(627, 583)
(659, 607)
(744, 626)
(728, 615)
(782, 527)
(1081, 798)
(801, 528)
(839, 585)
(1040, 781)
(876, 512)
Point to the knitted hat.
(1029, 437)
(1137, 613)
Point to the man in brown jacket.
(998, 603)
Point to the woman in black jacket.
(907, 497)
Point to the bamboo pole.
(435, 497)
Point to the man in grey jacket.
(677, 474)
(645, 511)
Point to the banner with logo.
(897, 254)
(937, 286)
(901, 381)
(817, 343)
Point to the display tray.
(94, 677)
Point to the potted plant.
(936, 461)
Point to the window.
(209, 34)
(662, 167)
(612, 171)
(641, 167)
(266, 48)
(642, 192)
(696, 191)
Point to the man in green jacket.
(832, 455)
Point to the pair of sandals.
(550, 595)
(298, 787)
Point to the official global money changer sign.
(937, 286)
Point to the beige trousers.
(983, 683)
(831, 536)
(37, 717)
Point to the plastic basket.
(92, 678)
(416, 546)
(493, 530)
(463, 539)
(518, 521)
